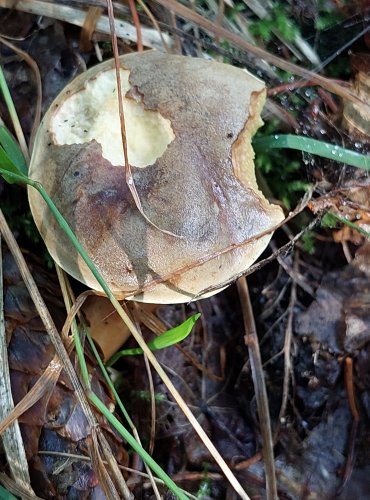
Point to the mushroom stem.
(105, 325)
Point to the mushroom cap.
(189, 124)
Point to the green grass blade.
(80, 355)
(6, 495)
(108, 379)
(135, 445)
(13, 113)
(167, 339)
(330, 219)
(313, 146)
(12, 150)
(9, 167)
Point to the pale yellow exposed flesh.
(148, 133)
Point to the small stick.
(348, 377)
(288, 341)
(136, 20)
(349, 383)
(251, 341)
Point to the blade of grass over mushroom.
(167, 339)
(238, 41)
(175, 394)
(313, 146)
(14, 163)
(128, 173)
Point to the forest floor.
(310, 303)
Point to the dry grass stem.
(44, 384)
(69, 301)
(11, 437)
(288, 340)
(251, 341)
(32, 63)
(152, 426)
(136, 310)
(58, 344)
(150, 15)
(76, 16)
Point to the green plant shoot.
(167, 339)
(11, 157)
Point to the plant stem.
(13, 115)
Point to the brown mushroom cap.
(189, 126)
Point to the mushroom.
(189, 124)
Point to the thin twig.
(154, 21)
(206, 258)
(288, 341)
(135, 18)
(251, 340)
(32, 63)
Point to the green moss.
(278, 21)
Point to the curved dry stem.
(32, 63)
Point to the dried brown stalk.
(251, 341)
